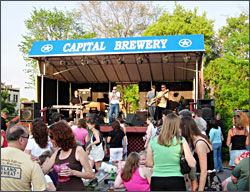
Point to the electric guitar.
(158, 99)
(151, 102)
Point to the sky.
(14, 13)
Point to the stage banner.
(126, 45)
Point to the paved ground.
(222, 175)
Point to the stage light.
(139, 60)
(104, 61)
(120, 61)
(186, 58)
(84, 61)
(165, 59)
(63, 62)
(47, 63)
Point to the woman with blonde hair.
(132, 176)
(239, 138)
(163, 155)
(245, 119)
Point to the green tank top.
(166, 159)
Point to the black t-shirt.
(3, 124)
(75, 100)
(116, 138)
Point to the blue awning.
(128, 45)
(130, 59)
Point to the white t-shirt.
(113, 100)
(153, 132)
(48, 179)
(35, 149)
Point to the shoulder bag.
(183, 162)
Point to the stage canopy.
(131, 59)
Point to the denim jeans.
(151, 111)
(217, 156)
(114, 108)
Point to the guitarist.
(161, 102)
(151, 95)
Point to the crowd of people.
(63, 155)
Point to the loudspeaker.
(207, 113)
(29, 111)
(134, 120)
(142, 114)
(208, 108)
(205, 103)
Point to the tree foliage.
(5, 105)
(119, 18)
(227, 77)
(46, 25)
(130, 95)
(184, 22)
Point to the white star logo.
(185, 42)
(47, 48)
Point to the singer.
(114, 99)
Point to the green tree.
(130, 95)
(46, 25)
(5, 105)
(183, 22)
(227, 77)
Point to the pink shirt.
(137, 183)
(80, 134)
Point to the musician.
(75, 100)
(161, 102)
(114, 99)
(151, 101)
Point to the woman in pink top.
(81, 133)
(136, 180)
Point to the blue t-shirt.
(215, 135)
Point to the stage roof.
(130, 59)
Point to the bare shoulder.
(201, 145)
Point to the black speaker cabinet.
(134, 120)
(29, 111)
(208, 108)
(205, 103)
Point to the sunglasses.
(51, 136)
(163, 87)
(25, 137)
